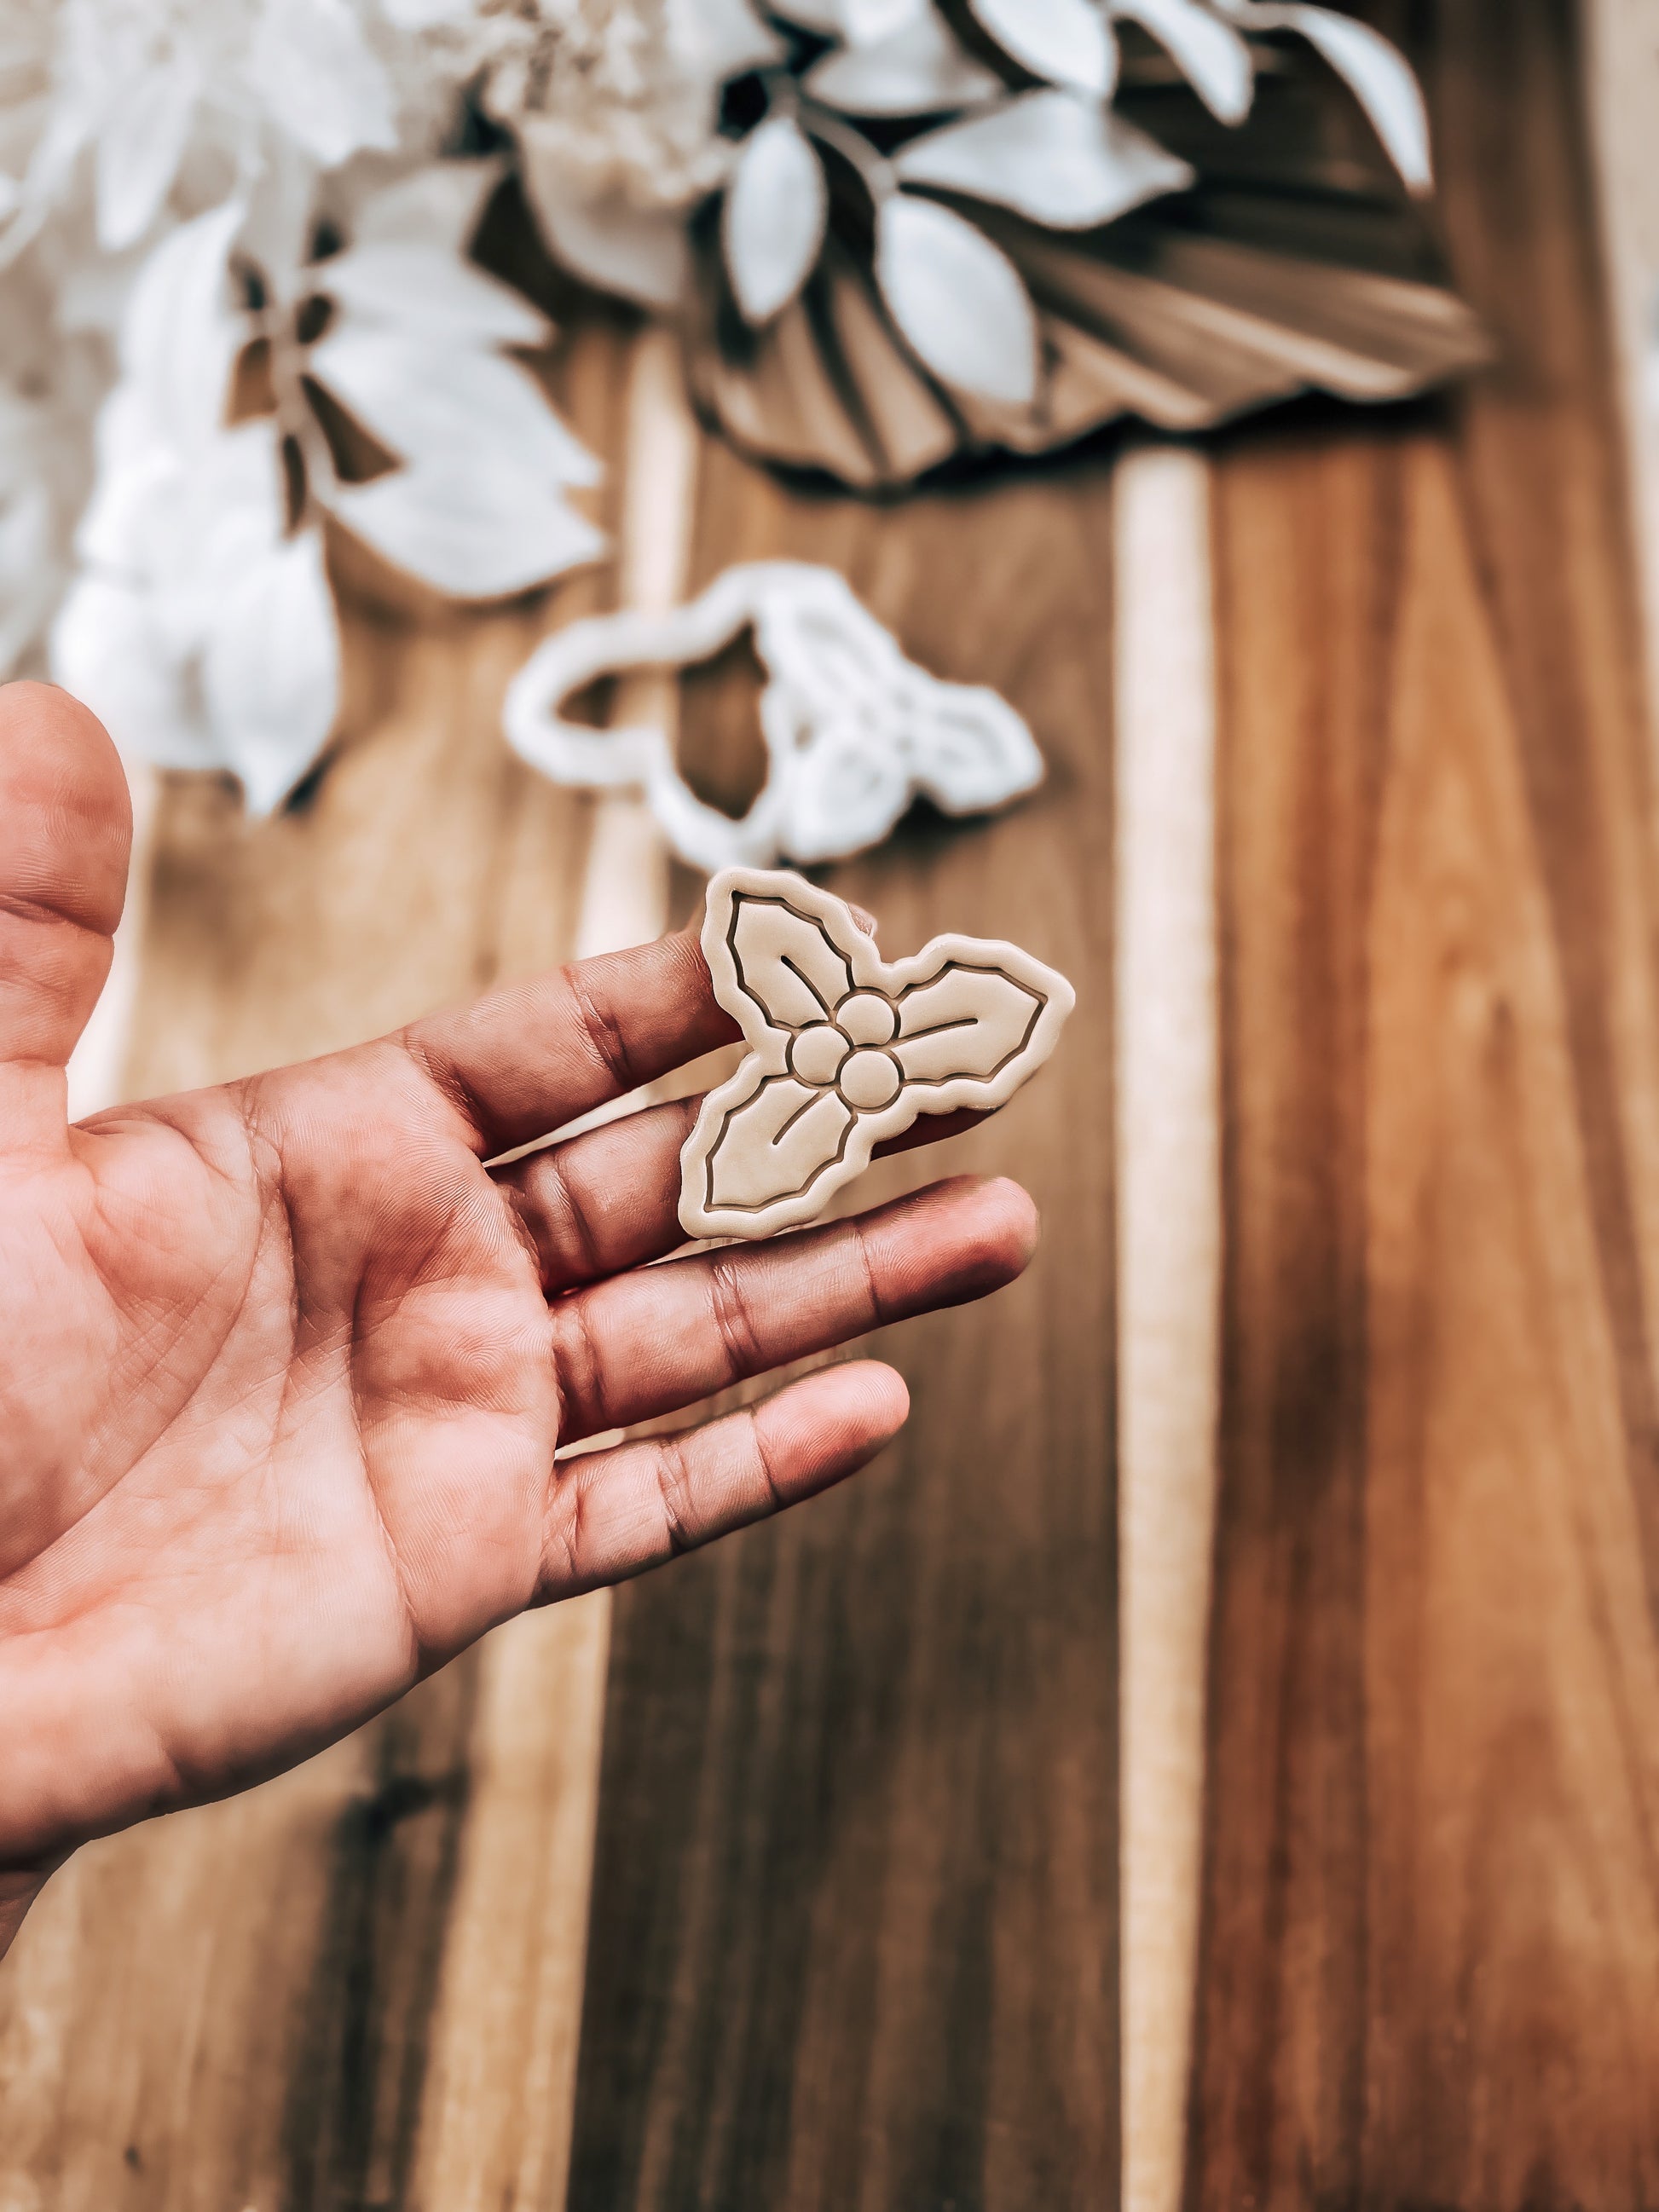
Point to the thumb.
(66, 836)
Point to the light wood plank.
(1169, 1269)
(1428, 1972)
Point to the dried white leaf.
(140, 149)
(105, 650)
(1381, 80)
(823, 17)
(430, 291)
(202, 636)
(1376, 72)
(438, 206)
(470, 532)
(864, 21)
(772, 222)
(178, 335)
(270, 674)
(427, 402)
(1066, 41)
(1210, 53)
(1063, 161)
(957, 300)
(320, 81)
(918, 69)
(117, 525)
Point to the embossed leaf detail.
(789, 965)
(970, 1021)
(845, 1049)
(782, 1139)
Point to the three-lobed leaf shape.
(1058, 158)
(853, 729)
(957, 299)
(846, 1050)
(772, 221)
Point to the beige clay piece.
(845, 1050)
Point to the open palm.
(284, 1365)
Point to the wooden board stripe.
(496, 2116)
(854, 1939)
(1430, 1961)
(1169, 1262)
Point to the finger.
(609, 1199)
(66, 835)
(613, 1513)
(658, 1338)
(523, 1060)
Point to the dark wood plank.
(1430, 1964)
(854, 1931)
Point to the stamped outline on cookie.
(846, 1050)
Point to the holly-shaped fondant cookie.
(845, 1049)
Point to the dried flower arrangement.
(237, 300)
(950, 224)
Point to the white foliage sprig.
(202, 627)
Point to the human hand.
(283, 1364)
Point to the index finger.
(521, 1061)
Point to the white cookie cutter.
(853, 730)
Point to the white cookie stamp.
(845, 1049)
(855, 731)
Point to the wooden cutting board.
(789, 1882)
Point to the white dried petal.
(957, 300)
(920, 69)
(1376, 72)
(1209, 52)
(772, 222)
(470, 532)
(1066, 41)
(1061, 160)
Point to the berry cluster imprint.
(845, 1050)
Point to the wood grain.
(1430, 1971)
(854, 1931)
